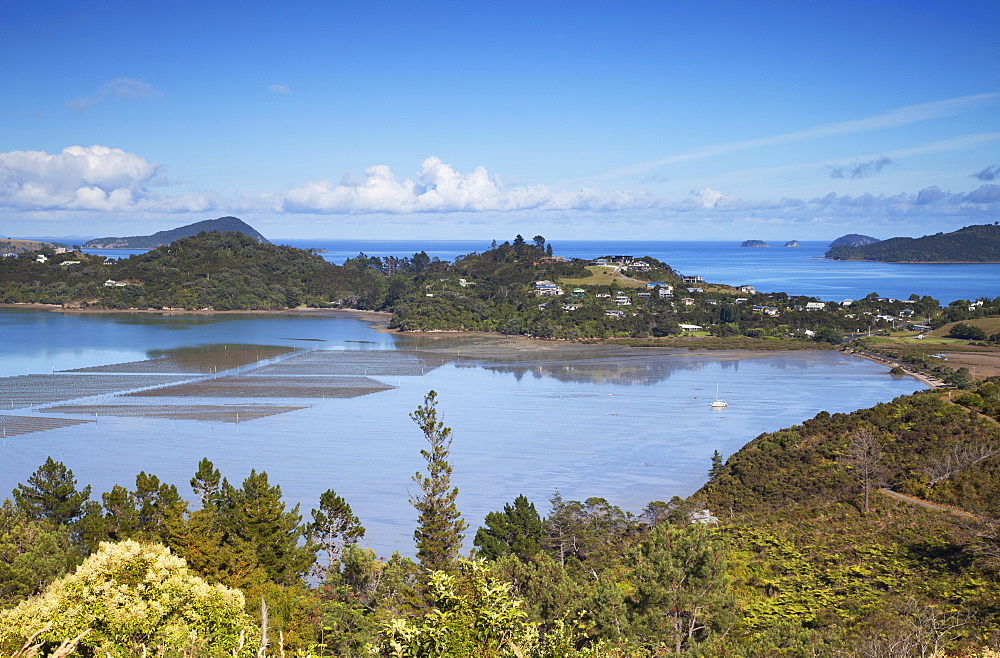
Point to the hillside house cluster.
(666, 290)
(630, 262)
(548, 288)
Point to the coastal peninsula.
(972, 244)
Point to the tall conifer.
(51, 493)
(440, 527)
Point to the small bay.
(629, 425)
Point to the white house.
(689, 327)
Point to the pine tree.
(717, 464)
(517, 530)
(334, 525)
(438, 536)
(207, 483)
(155, 502)
(256, 515)
(51, 493)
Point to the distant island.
(853, 240)
(220, 225)
(792, 243)
(972, 244)
(754, 243)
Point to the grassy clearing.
(989, 325)
(603, 276)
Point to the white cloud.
(86, 178)
(127, 88)
(439, 188)
(279, 89)
(82, 180)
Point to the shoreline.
(931, 382)
(493, 341)
(301, 310)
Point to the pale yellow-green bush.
(130, 596)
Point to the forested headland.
(790, 549)
(972, 244)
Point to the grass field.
(603, 276)
(989, 325)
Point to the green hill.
(218, 271)
(219, 225)
(972, 244)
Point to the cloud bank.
(86, 178)
(118, 183)
(441, 189)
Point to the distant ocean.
(796, 270)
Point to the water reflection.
(641, 370)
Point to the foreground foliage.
(129, 597)
(807, 557)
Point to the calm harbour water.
(795, 270)
(629, 426)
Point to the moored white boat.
(717, 403)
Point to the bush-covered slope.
(927, 447)
(976, 244)
(219, 271)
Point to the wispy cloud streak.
(894, 118)
(123, 88)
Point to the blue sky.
(629, 120)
